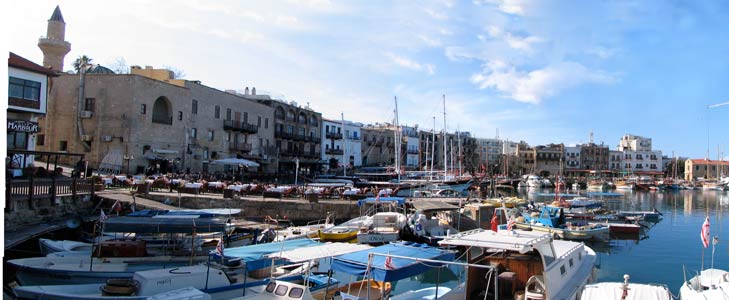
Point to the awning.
(356, 263)
(371, 200)
(236, 161)
(161, 225)
(426, 205)
(318, 252)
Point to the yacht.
(709, 284)
(516, 264)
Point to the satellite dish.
(73, 223)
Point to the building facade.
(616, 161)
(131, 123)
(638, 156)
(342, 144)
(411, 145)
(549, 159)
(28, 85)
(572, 158)
(594, 157)
(695, 169)
(378, 147)
(489, 153)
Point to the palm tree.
(80, 62)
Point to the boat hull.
(347, 236)
(598, 234)
(377, 238)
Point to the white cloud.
(602, 52)
(435, 15)
(410, 64)
(429, 41)
(534, 86)
(514, 7)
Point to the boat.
(348, 231)
(649, 216)
(431, 221)
(49, 246)
(509, 202)
(219, 283)
(384, 228)
(625, 185)
(533, 181)
(313, 288)
(598, 185)
(428, 293)
(625, 291)
(709, 284)
(187, 293)
(310, 230)
(553, 221)
(383, 265)
(522, 264)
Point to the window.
(571, 262)
(211, 135)
(24, 89)
(296, 292)
(245, 117)
(162, 111)
(259, 121)
(63, 146)
(179, 116)
(270, 287)
(281, 290)
(266, 123)
(41, 140)
(217, 112)
(194, 107)
(89, 104)
(193, 133)
(144, 109)
(17, 140)
(562, 270)
(228, 114)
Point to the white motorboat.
(309, 230)
(531, 265)
(384, 228)
(707, 285)
(625, 291)
(534, 181)
(49, 246)
(423, 294)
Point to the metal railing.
(25, 193)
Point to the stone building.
(525, 159)
(594, 157)
(148, 122)
(297, 133)
(549, 159)
(378, 145)
(695, 169)
(54, 44)
(489, 153)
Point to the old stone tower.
(54, 45)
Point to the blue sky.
(539, 71)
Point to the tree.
(176, 73)
(119, 66)
(81, 61)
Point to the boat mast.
(460, 155)
(397, 143)
(345, 159)
(432, 154)
(445, 145)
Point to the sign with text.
(23, 126)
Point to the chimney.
(247, 92)
(253, 91)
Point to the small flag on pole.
(102, 216)
(388, 263)
(219, 248)
(705, 233)
(510, 224)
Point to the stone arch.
(302, 118)
(313, 121)
(162, 111)
(279, 113)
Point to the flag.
(377, 199)
(495, 223)
(116, 207)
(510, 224)
(219, 248)
(705, 233)
(388, 263)
(102, 216)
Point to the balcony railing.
(248, 128)
(162, 120)
(241, 147)
(283, 135)
(310, 154)
(299, 137)
(314, 139)
(239, 126)
(334, 135)
(412, 151)
(334, 151)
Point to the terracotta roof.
(701, 161)
(19, 62)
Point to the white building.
(509, 147)
(616, 160)
(27, 100)
(341, 144)
(489, 151)
(572, 157)
(638, 157)
(411, 143)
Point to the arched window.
(290, 115)
(313, 121)
(302, 118)
(279, 113)
(162, 111)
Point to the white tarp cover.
(317, 252)
(614, 290)
(236, 161)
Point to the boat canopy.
(358, 263)
(164, 225)
(198, 213)
(370, 200)
(318, 252)
(522, 241)
(426, 205)
(258, 251)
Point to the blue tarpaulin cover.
(255, 252)
(370, 200)
(355, 263)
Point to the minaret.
(54, 46)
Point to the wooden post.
(9, 202)
(74, 186)
(31, 190)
